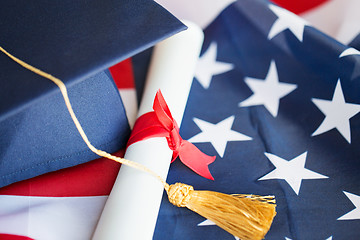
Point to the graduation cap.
(75, 41)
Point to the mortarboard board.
(75, 41)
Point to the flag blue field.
(278, 103)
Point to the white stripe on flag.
(128, 96)
(50, 218)
(189, 9)
(337, 18)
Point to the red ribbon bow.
(160, 123)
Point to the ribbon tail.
(162, 111)
(196, 160)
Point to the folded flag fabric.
(75, 42)
(65, 204)
(80, 186)
(278, 103)
(337, 18)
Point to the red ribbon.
(160, 123)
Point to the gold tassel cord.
(245, 216)
(248, 217)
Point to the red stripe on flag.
(13, 237)
(122, 74)
(94, 178)
(299, 6)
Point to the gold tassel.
(248, 217)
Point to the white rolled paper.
(131, 210)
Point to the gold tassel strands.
(248, 217)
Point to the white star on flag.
(329, 238)
(207, 66)
(287, 20)
(349, 52)
(268, 91)
(218, 134)
(353, 52)
(355, 213)
(337, 113)
(293, 171)
(208, 222)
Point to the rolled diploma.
(131, 210)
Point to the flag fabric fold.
(65, 204)
(282, 118)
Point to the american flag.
(255, 139)
(278, 103)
